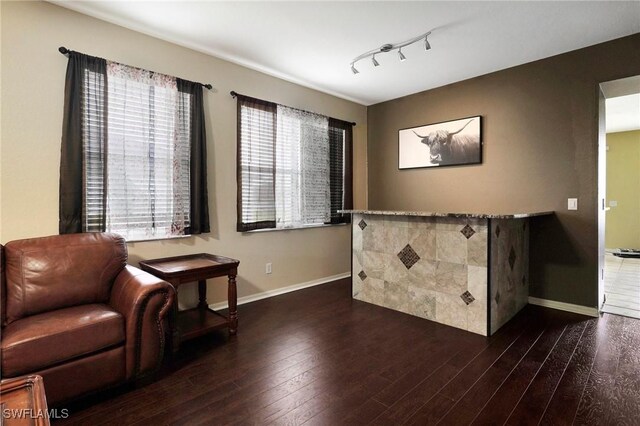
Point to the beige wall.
(32, 98)
(540, 132)
(623, 186)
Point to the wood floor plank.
(564, 403)
(318, 365)
(463, 381)
(430, 414)
(599, 387)
(530, 408)
(623, 407)
(421, 369)
(506, 397)
(322, 408)
(364, 414)
(459, 374)
(464, 411)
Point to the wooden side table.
(23, 402)
(200, 320)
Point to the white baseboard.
(569, 307)
(279, 291)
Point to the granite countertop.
(442, 214)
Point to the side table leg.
(233, 305)
(175, 341)
(202, 294)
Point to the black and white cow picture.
(443, 144)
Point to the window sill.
(297, 228)
(179, 237)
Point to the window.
(294, 167)
(137, 143)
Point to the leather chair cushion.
(44, 274)
(44, 340)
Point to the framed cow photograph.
(450, 143)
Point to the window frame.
(182, 209)
(346, 166)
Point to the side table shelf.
(180, 270)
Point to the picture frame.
(448, 143)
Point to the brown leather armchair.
(74, 313)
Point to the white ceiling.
(311, 42)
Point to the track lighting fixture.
(389, 47)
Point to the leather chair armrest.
(145, 301)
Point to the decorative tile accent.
(512, 257)
(408, 256)
(497, 231)
(467, 297)
(467, 231)
(362, 275)
(362, 224)
(497, 297)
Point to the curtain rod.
(234, 94)
(66, 51)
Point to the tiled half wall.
(442, 268)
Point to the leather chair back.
(44, 274)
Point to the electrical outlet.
(267, 269)
(572, 204)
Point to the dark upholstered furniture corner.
(76, 314)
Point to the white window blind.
(94, 150)
(146, 189)
(256, 156)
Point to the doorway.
(619, 191)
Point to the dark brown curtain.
(341, 169)
(84, 96)
(199, 210)
(255, 164)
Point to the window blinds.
(93, 132)
(293, 167)
(145, 193)
(256, 168)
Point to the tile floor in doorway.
(622, 286)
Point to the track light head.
(389, 47)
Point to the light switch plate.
(572, 204)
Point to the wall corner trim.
(288, 289)
(562, 306)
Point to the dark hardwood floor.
(318, 357)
